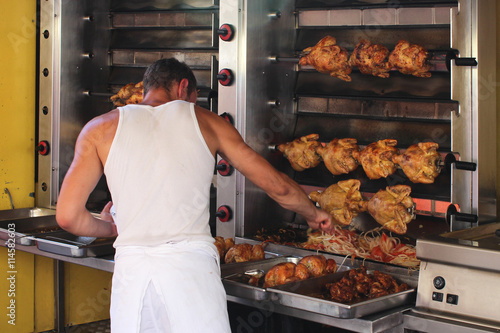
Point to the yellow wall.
(87, 290)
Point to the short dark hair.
(164, 72)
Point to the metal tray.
(308, 295)
(66, 244)
(236, 283)
(22, 228)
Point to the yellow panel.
(16, 299)
(44, 294)
(88, 294)
(17, 106)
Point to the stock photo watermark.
(11, 274)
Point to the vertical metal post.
(59, 322)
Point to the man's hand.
(323, 222)
(108, 217)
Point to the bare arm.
(80, 180)
(281, 188)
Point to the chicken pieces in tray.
(328, 57)
(128, 94)
(410, 59)
(420, 162)
(307, 267)
(392, 208)
(342, 200)
(302, 152)
(358, 285)
(339, 155)
(376, 158)
(371, 59)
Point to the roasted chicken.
(371, 59)
(328, 57)
(223, 245)
(128, 94)
(318, 265)
(420, 162)
(342, 200)
(244, 252)
(376, 158)
(338, 155)
(302, 152)
(410, 59)
(392, 208)
(285, 272)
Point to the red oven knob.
(224, 168)
(224, 213)
(43, 147)
(228, 118)
(225, 77)
(226, 32)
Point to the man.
(158, 158)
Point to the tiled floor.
(95, 327)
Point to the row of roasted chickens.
(372, 59)
(420, 162)
(392, 208)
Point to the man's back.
(159, 170)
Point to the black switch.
(439, 282)
(452, 299)
(438, 297)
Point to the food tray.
(235, 283)
(66, 244)
(309, 295)
(26, 227)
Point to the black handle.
(465, 62)
(452, 211)
(450, 160)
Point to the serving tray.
(309, 295)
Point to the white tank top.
(159, 170)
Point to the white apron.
(181, 280)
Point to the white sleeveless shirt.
(159, 170)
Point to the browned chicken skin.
(342, 200)
(328, 57)
(371, 59)
(244, 252)
(302, 152)
(318, 265)
(410, 59)
(392, 208)
(128, 94)
(358, 285)
(376, 158)
(282, 273)
(308, 266)
(420, 162)
(223, 245)
(338, 155)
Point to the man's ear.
(182, 92)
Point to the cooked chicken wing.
(318, 265)
(244, 252)
(302, 152)
(128, 94)
(342, 200)
(410, 59)
(420, 162)
(392, 208)
(328, 57)
(371, 59)
(282, 273)
(376, 158)
(338, 155)
(223, 245)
